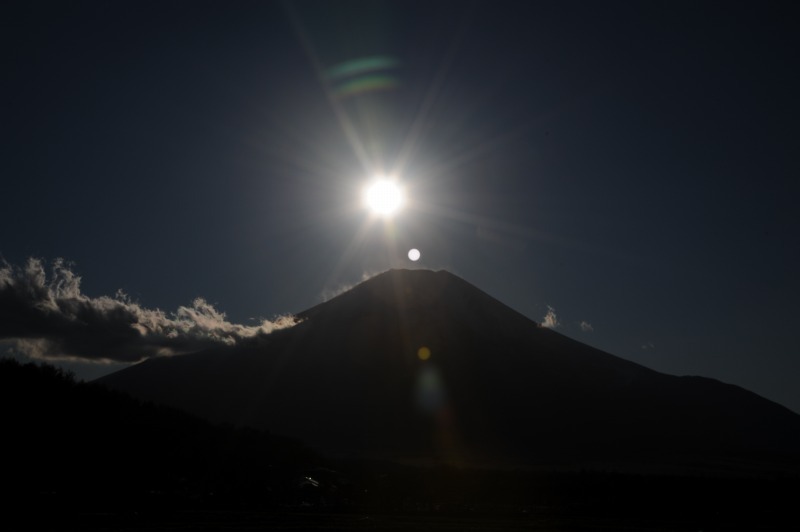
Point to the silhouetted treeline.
(81, 444)
(76, 452)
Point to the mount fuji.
(421, 367)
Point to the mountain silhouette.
(73, 447)
(421, 367)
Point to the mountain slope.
(74, 447)
(496, 390)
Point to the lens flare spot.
(430, 390)
(414, 254)
(423, 353)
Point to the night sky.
(631, 167)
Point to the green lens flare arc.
(360, 66)
(363, 75)
(363, 85)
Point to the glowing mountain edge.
(497, 390)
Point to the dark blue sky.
(633, 165)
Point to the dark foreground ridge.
(79, 457)
(354, 381)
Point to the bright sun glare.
(384, 197)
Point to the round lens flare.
(384, 197)
(424, 353)
(414, 254)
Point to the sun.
(384, 197)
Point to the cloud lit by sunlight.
(51, 318)
(550, 319)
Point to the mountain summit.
(421, 367)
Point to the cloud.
(648, 346)
(329, 293)
(550, 319)
(51, 318)
(586, 326)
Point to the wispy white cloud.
(550, 319)
(586, 326)
(49, 317)
(329, 293)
